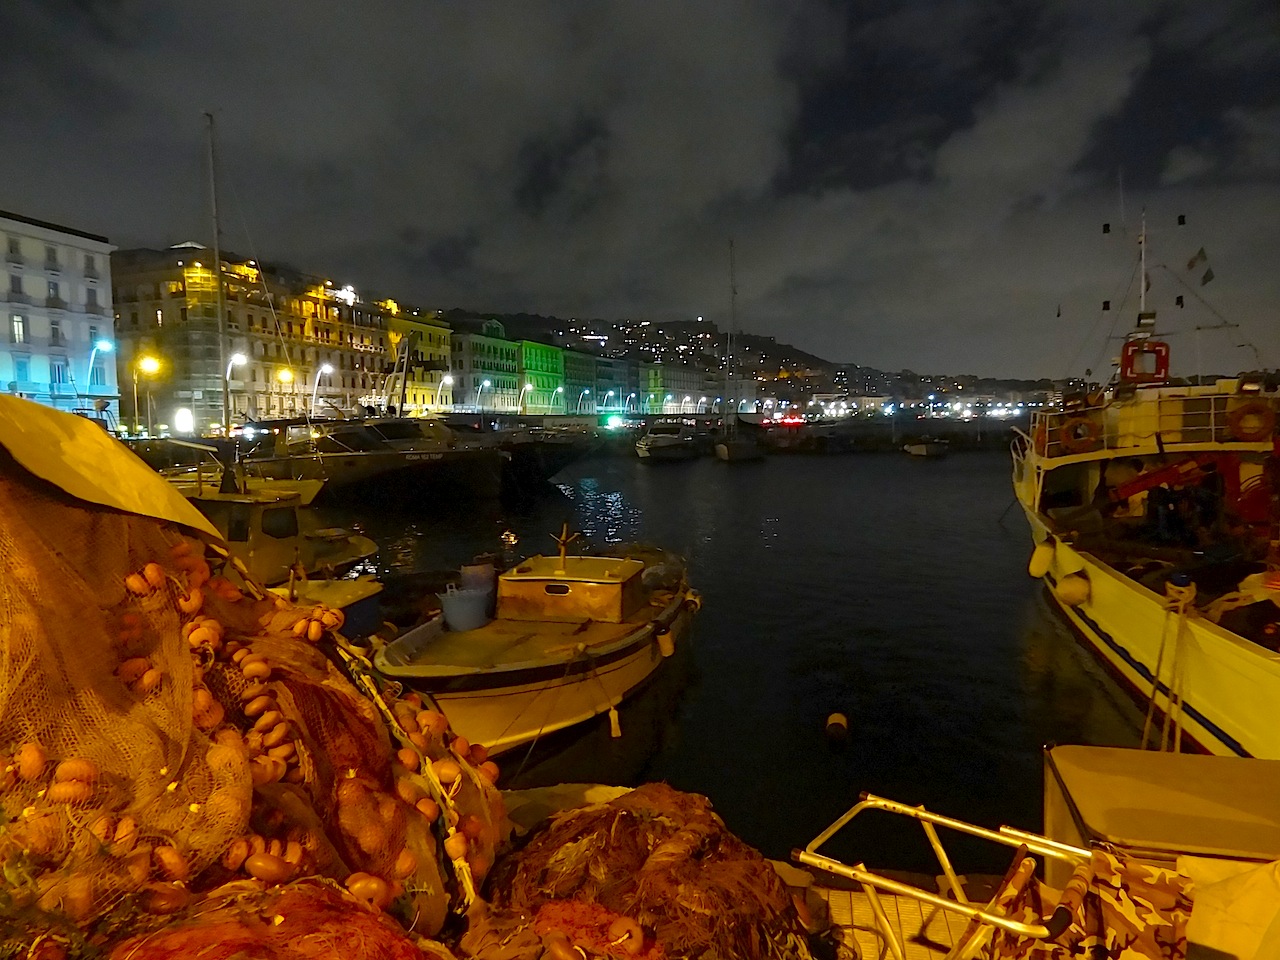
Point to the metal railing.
(983, 919)
(1158, 422)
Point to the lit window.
(58, 371)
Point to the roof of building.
(52, 226)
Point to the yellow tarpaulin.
(79, 457)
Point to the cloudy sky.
(908, 183)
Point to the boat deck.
(507, 644)
(925, 933)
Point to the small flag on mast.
(1208, 275)
(1199, 258)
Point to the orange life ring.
(1252, 421)
(1080, 435)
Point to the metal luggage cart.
(1004, 911)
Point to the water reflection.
(867, 585)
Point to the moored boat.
(927, 447)
(400, 460)
(572, 637)
(671, 440)
(1152, 507)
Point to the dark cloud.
(908, 183)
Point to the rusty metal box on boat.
(605, 589)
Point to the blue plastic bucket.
(465, 609)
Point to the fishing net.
(654, 873)
(171, 733)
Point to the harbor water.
(887, 588)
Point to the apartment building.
(57, 314)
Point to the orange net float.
(1080, 435)
(1252, 421)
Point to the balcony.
(91, 273)
(55, 303)
(95, 308)
(53, 266)
(16, 259)
(15, 297)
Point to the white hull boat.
(573, 637)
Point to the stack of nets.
(652, 874)
(173, 741)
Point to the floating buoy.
(666, 643)
(1073, 589)
(837, 726)
(1041, 558)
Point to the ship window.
(280, 522)
(557, 589)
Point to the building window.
(133, 318)
(55, 290)
(89, 266)
(91, 297)
(55, 331)
(98, 375)
(18, 329)
(50, 256)
(159, 318)
(15, 283)
(22, 369)
(58, 370)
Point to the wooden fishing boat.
(571, 638)
(1152, 507)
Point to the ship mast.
(217, 278)
(730, 418)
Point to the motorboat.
(266, 524)
(398, 459)
(1152, 509)
(669, 440)
(927, 447)
(570, 638)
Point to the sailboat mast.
(733, 324)
(1142, 248)
(224, 374)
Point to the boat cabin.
(569, 589)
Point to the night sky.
(907, 183)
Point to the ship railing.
(1004, 911)
(1151, 423)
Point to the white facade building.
(59, 330)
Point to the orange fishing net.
(169, 732)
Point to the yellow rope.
(1179, 601)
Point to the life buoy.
(1080, 435)
(1252, 421)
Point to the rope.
(1179, 601)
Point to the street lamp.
(478, 391)
(684, 401)
(236, 360)
(701, 401)
(150, 366)
(648, 406)
(560, 391)
(627, 405)
(324, 371)
(523, 390)
(446, 381)
(578, 407)
(608, 394)
(104, 346)
(666, 401)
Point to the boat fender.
(1073, 589)
(1041, 558)
(1252, 421)
(837, 726)
(694, 599)
(666, 643)
(615, 723)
